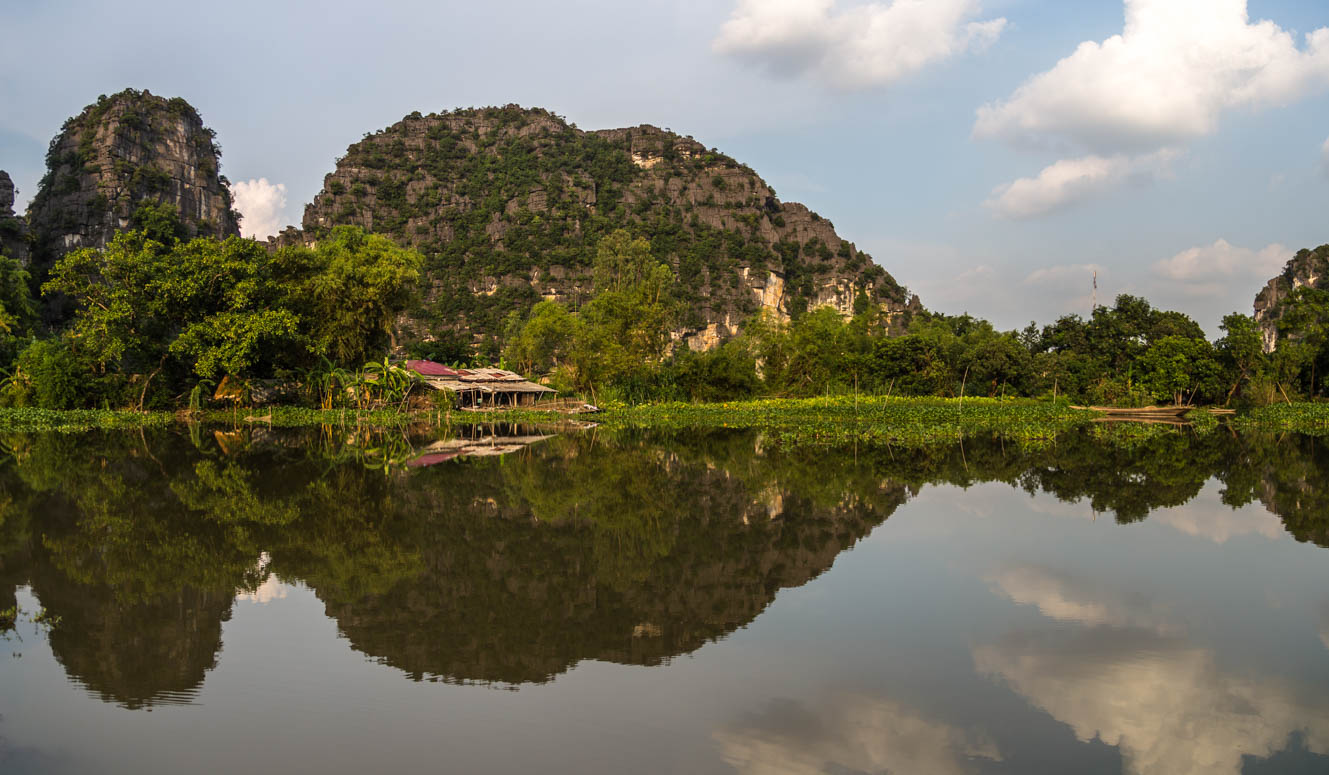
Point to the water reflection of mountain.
(585, 546)
(621, 554)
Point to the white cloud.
(1203, 267)
(850, 733)
(1071, 181)
(261, 205)
(862, 46)
(1167, 78)
(1324, 158)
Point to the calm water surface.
(704, 603)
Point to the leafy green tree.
(18, 312)
(543, 340)
(201, 308)
(1176, 368)
(48, 375)
(618, 335)
(348, 291)
(1240, 352)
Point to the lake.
(507, 600)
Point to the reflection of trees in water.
(598, 545)
(597, 549)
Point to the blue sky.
(990, 155)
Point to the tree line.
(154, 318)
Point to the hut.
(481, 388)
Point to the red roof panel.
(431, 369)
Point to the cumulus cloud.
(850, 733)
(1071, 181)
(261, 205)
(1200, 267)
(863, 46)
(1167, 78)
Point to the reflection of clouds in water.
(1324, 625)
(269, 590)
(1167, 705)
(1069, 598)
(1053, 506)
(849, 732)
(1219, 523)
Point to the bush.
(48, 376)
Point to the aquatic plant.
(839, 419)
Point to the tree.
(18, 312)
(201, 307)
(348, 291)
(1177, 368)
(1304, 332)
(543, 340)
(1240, 352)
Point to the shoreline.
(819, 420)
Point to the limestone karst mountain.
(13, 229)
(1309, 268)
(508, 203)
(121, 152)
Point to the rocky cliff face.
(122, 152)
(1309, 268)
(13, 230)
(507, 204)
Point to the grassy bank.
(815, 420)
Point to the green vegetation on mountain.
(508, 206)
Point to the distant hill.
(507, 204)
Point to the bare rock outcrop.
(13, 229)
(124, 151)
(1307, 269)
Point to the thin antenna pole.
(1093, 303)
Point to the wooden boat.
(1141, 412)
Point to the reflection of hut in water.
(479, 388)
(479, 446)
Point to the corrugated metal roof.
(431, 369)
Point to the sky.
(991, 154)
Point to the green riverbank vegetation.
(155, 322)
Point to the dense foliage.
(154, 315)
(1129, 354)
